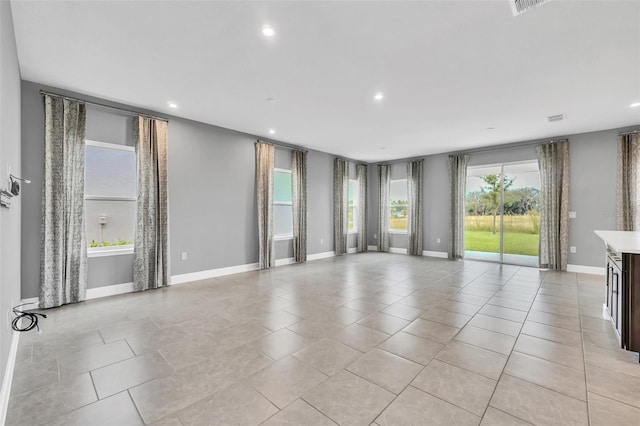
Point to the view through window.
(399, 206)
(352, 215)
(282, 204)
(110, 195)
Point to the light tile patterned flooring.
(383, 338)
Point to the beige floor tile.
(131, 328)
(499, 325)
(555, 334)
(411, 347)
(297, 414)
(328, 356)
(604, 339)
(459, 307)
(92, 358)
(281, 343)
(365, 306)
(348, 399)
(412, 406)
(126, 374)
(570, 323)
(514, 295)
(552, 308)
(598, 324)
(33, 375)
(164, 396)
(450, 318)
(315, 329)
(286, 380)
(384, 323)
(504, 313)
(431, 330)
(240, 334)
(168, 421)
(472, 358)
(38, 406)
(277, 320)
(236, 364)
(570, 356)
(510, 303)
(565, 380)
(606, 412)
(486, 339)
(237, 405)
(386, 370)
(614, 385)
(360, 338)
(460, 387)
(494, 417)
(470, 299)
(186, 352)
(617, 360)
(556, 300)
(536, 404)
(402, 311)
(117, 410)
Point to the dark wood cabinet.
(623, 297)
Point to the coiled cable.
(31, 319)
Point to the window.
(110, 196)
(352, 214)
(399, 206)
(282, 204)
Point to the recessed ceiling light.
(635, 105)
(271, 99)
(267, 31)
(383, 147)
(491, 129)
(378, 96)
(272, 131)
(172, 105)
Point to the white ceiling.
(448, 69)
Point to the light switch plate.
(573, 249)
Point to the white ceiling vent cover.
(521, 6)
(554, 118)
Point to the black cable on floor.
(31, 319)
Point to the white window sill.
(398, 232)
(282, 237)
(352, 232)
(109, 251)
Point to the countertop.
(621, 241)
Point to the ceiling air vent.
(554, 118)
(521, 6)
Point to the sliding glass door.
(502, 219)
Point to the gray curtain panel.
(265, 160)
(627, 187)
(457, 185)
(553, 160)
(384, 179)
(415, 176)
(63, 255)
(299, 195)
(340, 205)
(151, 243)
(361, 172)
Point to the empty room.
(319, 212)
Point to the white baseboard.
(397, 250)
(5, 392)
(352, 250)
(212, 273)
(372, 248)
(586, 269)
(287, 261)
(109, 290)
(438, 254)
(322, 255)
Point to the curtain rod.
(282, 146)
(633, 132)
(498, 147)
(128, 111)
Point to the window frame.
(397, 231)
(355, 207)
(109, 250)
(282, 237)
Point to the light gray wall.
(592, 193)
(212, 207)
(9, 158)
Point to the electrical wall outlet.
(438, 240)
(573, 249)
(183, 255)
(375, 236)
(102, 220)
(572, 215)
(321, 241)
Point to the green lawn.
(514, 242)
